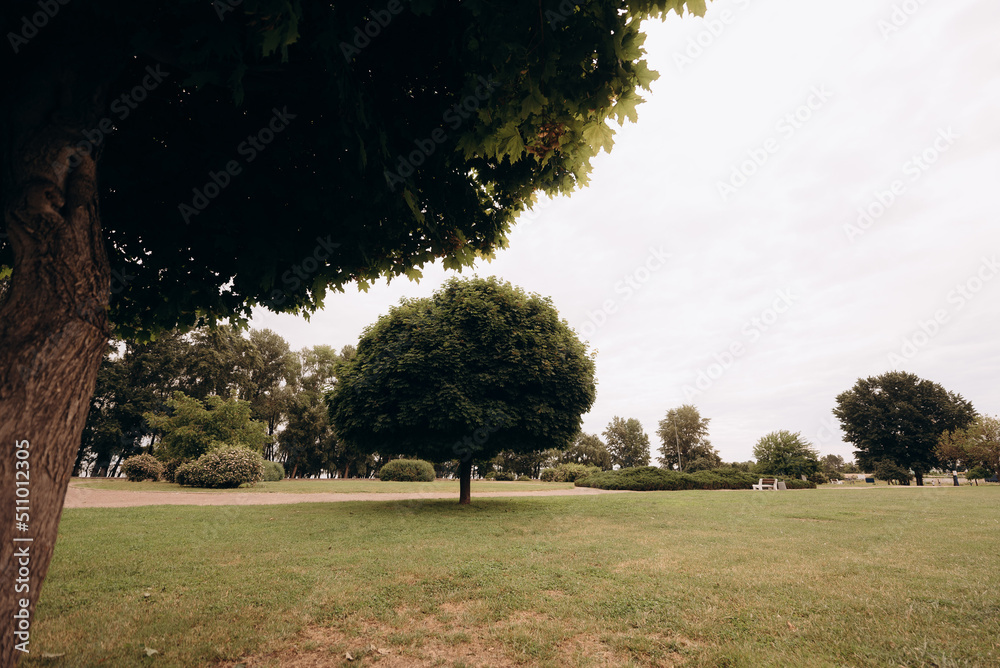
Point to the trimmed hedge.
(407, 470)
(142, 467)
(225, 468)
(652, 478)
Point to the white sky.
(849, 301)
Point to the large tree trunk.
(53, 330)
(465, 481)
(920, 478)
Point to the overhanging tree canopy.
(478, 368)
(245, 160)
(240, 155)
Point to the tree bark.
(53, 328)
(465, 482)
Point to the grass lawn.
(877, 577)
(329, 486)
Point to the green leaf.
(509, 143)
(696, 7)
(645, 76)
(532, 104)
(625, 109)
(411, 201)
(599, 136)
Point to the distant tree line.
(183, 395)
(180, 395)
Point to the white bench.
(770, 483)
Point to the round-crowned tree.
(899, 417)
(785, 453)
(479, 367)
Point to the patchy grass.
(730, 578)
(327, 486)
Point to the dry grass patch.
(453, 635)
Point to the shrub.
(505, 475)
(407, 470)
(796, 483)
(491, 475)
(978, 473)
(730, 477)
(524, 478)
(224, 468)
(818, 478)
(187, 474)
(568, 472)
(650, 478)
(701, 464)
(170, 468)
(273, 471)
(889, 471)
(142, 467)
(640, 478)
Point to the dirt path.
(83, 497)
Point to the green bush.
(978, 473)
(650, 478)
(640, 478)
(407, 470)
(273, 471)
(142, 467)
(224, 468)
(568, 472)
(795, 483)
(170, 468)
(701, 464)
(524, 478)
(890, 472)
(505, 475)
(818, 478)
(188, 474)
(491, 475)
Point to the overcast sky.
(773, 125)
